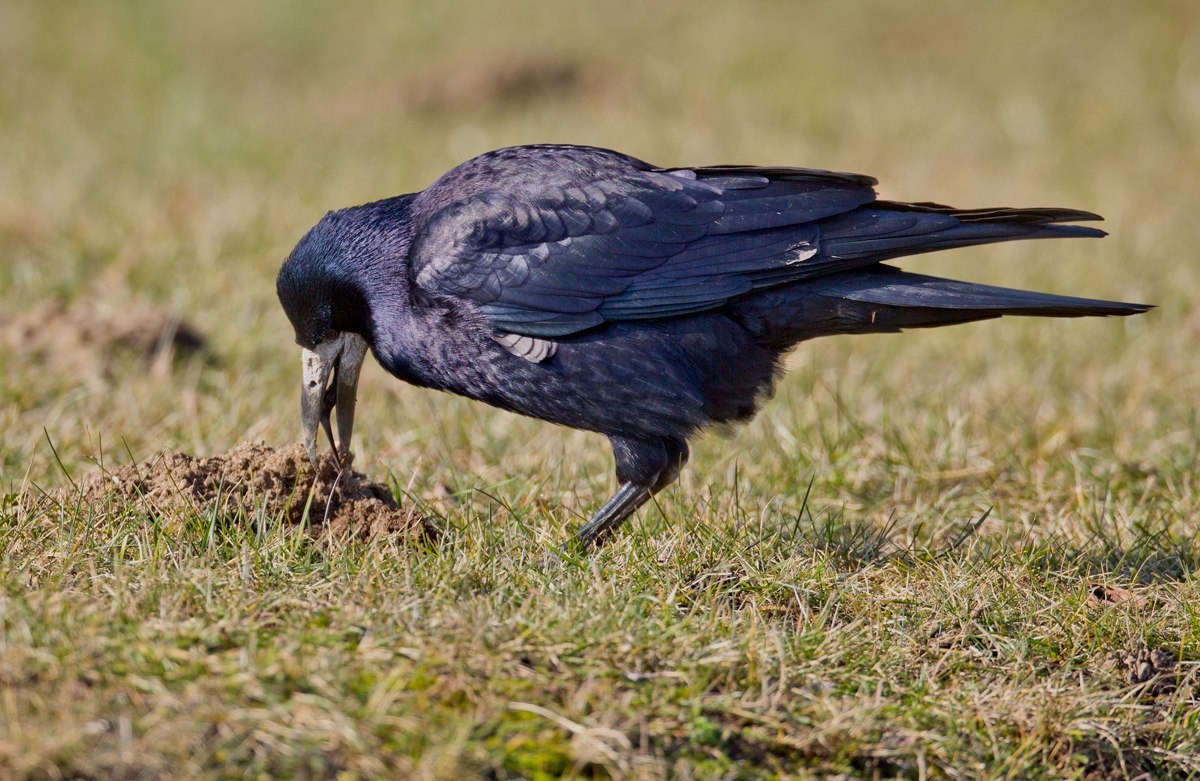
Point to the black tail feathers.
(888, 299)
(888, 286)
(884, 299)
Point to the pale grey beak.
(342, 357)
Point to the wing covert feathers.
(562, 239)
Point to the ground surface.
(963, 553)
(253, 485)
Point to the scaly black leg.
(615, 511)
(644, 467)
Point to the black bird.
(587, 288)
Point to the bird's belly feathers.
(640, 379)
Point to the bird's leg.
(615, 511)
(644, 467)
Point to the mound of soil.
(84, 340)
(252, 479)
(496, 81)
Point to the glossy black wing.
(547, 257)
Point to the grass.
(886, 574)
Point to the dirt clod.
(251, 479)
(1149, 669)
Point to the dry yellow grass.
(171, 154)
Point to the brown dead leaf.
(1106, 595)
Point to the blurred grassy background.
(174, 152)
(171, 153)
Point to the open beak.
(341, 357)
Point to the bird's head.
(324, 300)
